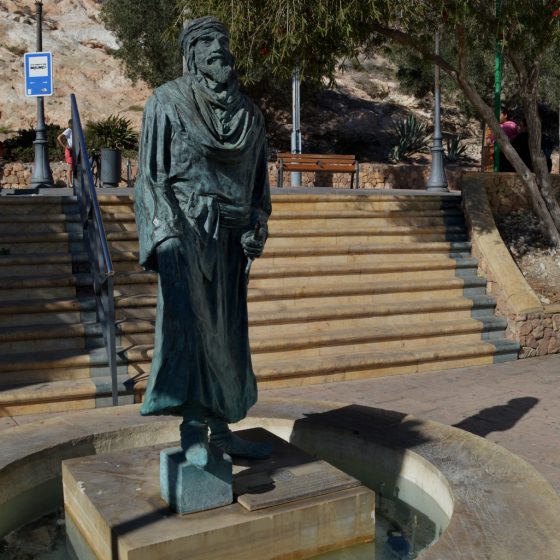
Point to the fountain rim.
(499, 505)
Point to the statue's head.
(205, 46)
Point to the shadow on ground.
(500, 418)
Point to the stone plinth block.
(289, 506)
(187, 488)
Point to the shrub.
(115, 132)
(455, 149)
(20, 147)
(410, 137)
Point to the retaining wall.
(372, 176)
(535, 326)
(17, 175)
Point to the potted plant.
(109, 137)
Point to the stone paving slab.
(514, 404)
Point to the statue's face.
(212, 56)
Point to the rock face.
(82, 64)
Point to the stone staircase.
(350, 286)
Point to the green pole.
(497, 86)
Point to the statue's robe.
(203, 180)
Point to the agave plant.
(455, 148)
(410, 136)
(114, 132)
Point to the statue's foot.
(235, 446)
(194, 441)
(197, 454)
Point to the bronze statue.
(202, 202)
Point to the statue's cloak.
(203, 180)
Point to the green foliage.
(411, 137)
(20, 147)
(268, 37)
(147, 33)
(455, 149)
(115, 132)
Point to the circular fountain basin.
(485, 501)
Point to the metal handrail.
(96, 242)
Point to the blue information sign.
(38, 74)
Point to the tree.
(528, 32)
(269, 37)
(146, 32)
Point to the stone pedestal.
(288, 506)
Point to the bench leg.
(357, 175)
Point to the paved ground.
(515, 404)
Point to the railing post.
(110, 341)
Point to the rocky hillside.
(82, 64)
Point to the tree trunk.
(542, 175)
(543, 205)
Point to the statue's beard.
(219, 71)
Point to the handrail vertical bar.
(96, 243)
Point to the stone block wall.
(537, 326)
(373, 176)
(506, 191)
(17, 175)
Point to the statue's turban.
(195, 29)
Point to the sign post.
(38, 83)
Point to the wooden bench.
(332, 163)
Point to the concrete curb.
(486, 240)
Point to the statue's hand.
(253, 246)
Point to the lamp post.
(42, 175)
(437, 181)
(296, 123)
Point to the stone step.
(305, 203)
(374, 364)
(143, 307)
(343, 236)
(16, 339)
(11, 206)
(373, 289)
(62, 319)
(263, 269)
(451, 249)
(324, 220)
(37, 228)
(51, 396)
(365, 254)
(281, 199)
(334, 341)
(295, 223)
(325, 290)
(60, 396)
(348, 238)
